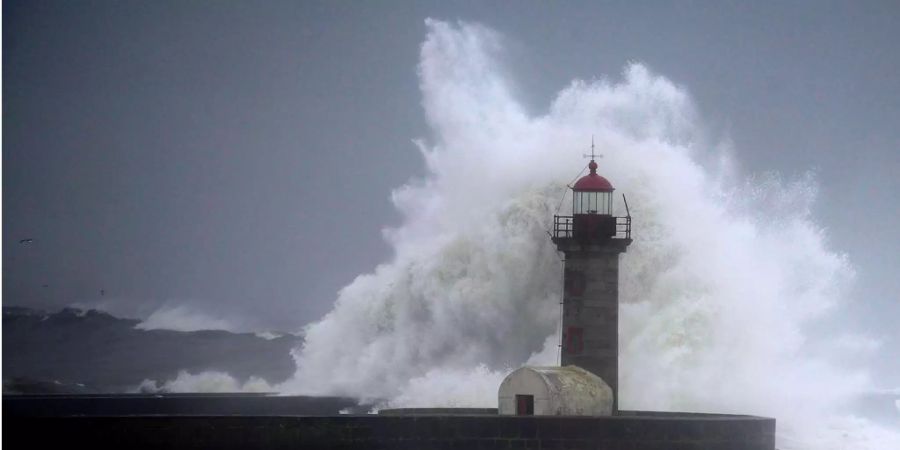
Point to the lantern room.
(592, 194)
(592, 217)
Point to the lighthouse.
(591, 240)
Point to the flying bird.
(26, 241)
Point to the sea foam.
(718, 291)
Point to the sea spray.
(207, 381)
(717, 290)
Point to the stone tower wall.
(590, 323)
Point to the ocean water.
(726, 278)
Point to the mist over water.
(718, 292)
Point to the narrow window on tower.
(574, 337)
(574, 282)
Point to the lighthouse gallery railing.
(563, 227)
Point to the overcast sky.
(238, 157)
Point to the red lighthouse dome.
(592, 194)
(593, 182)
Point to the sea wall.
(226, 404)
(633, 431)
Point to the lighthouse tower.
(592, 239)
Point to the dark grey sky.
(239, 156)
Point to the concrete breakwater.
(232, 430)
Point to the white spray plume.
(716, 291)
(183, 318)
(209, 381)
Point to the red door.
(524, 405)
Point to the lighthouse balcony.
(589, 228)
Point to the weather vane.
(593, 155)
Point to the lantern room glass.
(592, 202)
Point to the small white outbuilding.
(554, 391)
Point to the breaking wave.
(718, 290)
(208, 381)
(183, 318)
